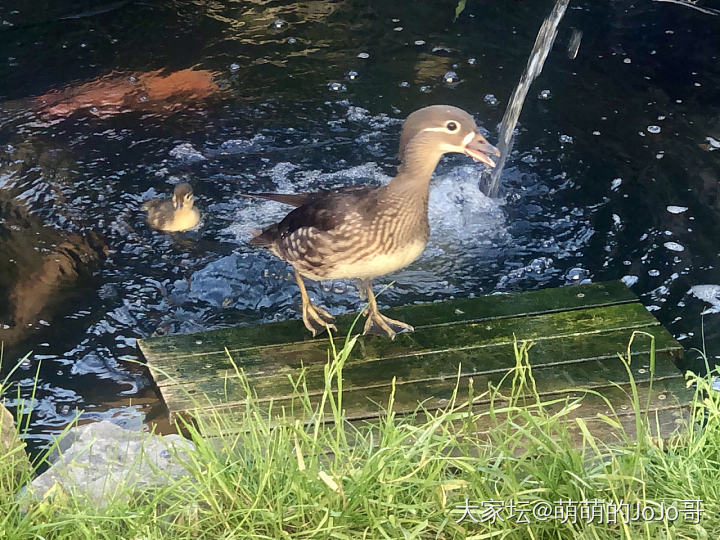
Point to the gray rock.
(105, 462)
(11, 447)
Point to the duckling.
(365, 232)
(173, 215)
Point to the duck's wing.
(316, 222)
(299, 199)
(159, 212)
(152, 204)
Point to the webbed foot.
(380, 325)
(316, 319)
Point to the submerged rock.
(102, 461)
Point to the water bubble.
(539, 265)
(132, 79)
(566, 139)
(653, 129)
(576, 274)
(596, 133)
(404, 84)
(292, 40)
(674, 246)
(278, 24)
(471, 61)
(363, 55)
(398, 28)
(661, 117)
(660, 155)
(544, 94)
(419, 42)
(490, 99)
(337, 87)
(653, 272)
(627, 61)
(629, 280)
(340, 287)
(425, 89)
(352, 75)
(450, 77)
(234, 67)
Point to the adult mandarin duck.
(365, 232)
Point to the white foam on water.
(629, 280)
(709, 294)
(186, 153)
(674, 246)
(460, 211)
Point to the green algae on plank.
(288, 357)
(451, 311)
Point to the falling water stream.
(543, 43)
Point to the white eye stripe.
(440, 130)
(466, 140)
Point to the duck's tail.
(292, 199)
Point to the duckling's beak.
(478, 148)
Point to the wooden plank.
(280, 359)
(668, 395)
(664, 422)
(363, 378)
(420, 315)
(577, 332)
(361, 402)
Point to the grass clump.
(428, 475)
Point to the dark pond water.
(614, 172)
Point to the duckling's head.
(183, 196)
(432, 131)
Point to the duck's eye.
(451, 126)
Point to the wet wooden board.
(577, 332)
